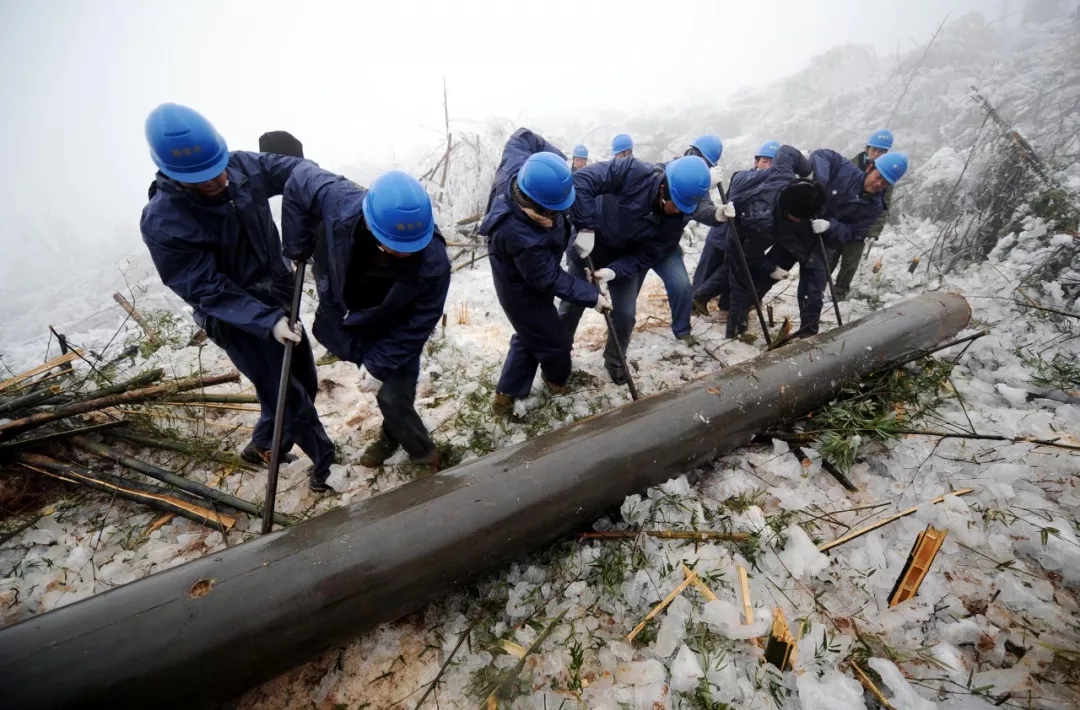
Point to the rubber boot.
(616, 373)
(318, 484)
(428, 464)
(700, 308)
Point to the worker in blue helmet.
(672, 268)
(622, 146)
(387, 276)
(856, 201)
(579, 158)
(765, 155)
(771, 206)
(711, 276)
(849, 255)
(628, 215)
(211, 236)
(527, 234)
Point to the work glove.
(725, 212)
(603, 303)
(369, 382)
(283, 333)
(584, 243)
(819, 225)
(716, 175)
(600, 277)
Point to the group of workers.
(382, 273)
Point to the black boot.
(616, 372)
(318, 484)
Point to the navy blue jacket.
(851, 212)
(526, 256)
(616, 199)
(223, 256)
(382, 338)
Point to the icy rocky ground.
(995, 622)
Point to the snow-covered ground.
(996, 619)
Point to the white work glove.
(584, 243)
(603, 303)
(282, 332)
(716, 175)
(600, 277)
(369, 382)
(819, 225)
(725, 212)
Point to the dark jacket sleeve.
(192, 274)
(826, 164)
(525, 143)
(592, 181)
(275, 169)
(407, 340)
(311, 194)
(542, 271)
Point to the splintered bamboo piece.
(780, 649)
(72, 473)
(57, 435)
(515, 650)
(182, 447)
(885, 521)
(213, 398)
(505, 679)
(665, 534)
(130, 397)
(700, 584)
(663, 605)
(877, 266)
(869, 685)
(914, 264)
(216, 405)
(918, 564)
(744, 588)
(44, 367)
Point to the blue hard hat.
(688, 182)
(545, 179)
(881, 138)
(768, 150)
(184, 145)
(397, 210)
(892, 166)
(711, 148)
(621, 142)
(580, 151)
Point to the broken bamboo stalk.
(213, 405)
(176, 481)
(151, 334)
(130, 397)
(74, 473)
(885, 521)
(869, 685)
(43, 367)
(212, 398)
(469, 220)
(690, 577)
(57, 436)
(180, 447)
(666, 534)
(143, 379)
(27, 401)
(505, 679)
(744, 591)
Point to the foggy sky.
(361, 82)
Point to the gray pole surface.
(210, 629)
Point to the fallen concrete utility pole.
(207, 630)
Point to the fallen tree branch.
(1049, 310)
(131, 397)
(57, 436)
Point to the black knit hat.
(803, 199)
(282, 143)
